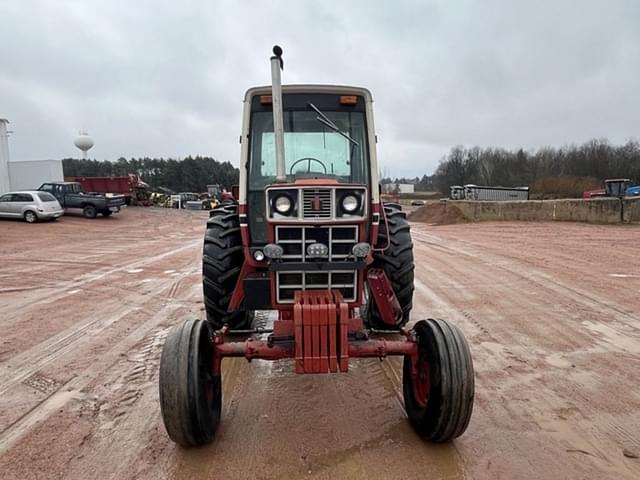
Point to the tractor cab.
(617, 187)
(327, 140)
(320, 205)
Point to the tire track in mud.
(602, 320)
(21, 366)
(526, 368)
(66, 288)
(531, 274)
(29, 363)
(347, 425)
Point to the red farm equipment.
(309, 237)
(131, 186)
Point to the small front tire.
(438, 386)
(190, 394)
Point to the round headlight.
(350, 203)
(258, 255)
(282, 204)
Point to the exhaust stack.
(278, 124)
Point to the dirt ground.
(551, 311)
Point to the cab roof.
(310, 88)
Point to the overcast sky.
(166, 79)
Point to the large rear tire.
(222, 260)
(190, 395)
(439, 388)
(397, 263)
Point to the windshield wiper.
(322, 118)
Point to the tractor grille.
(317, 203)
(294, 242)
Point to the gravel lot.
(551, 312)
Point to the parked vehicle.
(456, 192)
(71, 197)
(30, 205)
(135, 191)
(180, 200)
(621, 187)
(309, 236)
(614, 187)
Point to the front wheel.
(30, 217)
(438, 384)
(89, 211)
(190, 395)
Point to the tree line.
(190, 174)
(585, 164)
(559, 171)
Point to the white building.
(391, 188)
(24, 175)
(29, 175)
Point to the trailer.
(131, 186)
(490, 194)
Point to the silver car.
(30, 205)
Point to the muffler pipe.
(278, 123)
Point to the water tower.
(84, 142)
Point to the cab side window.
(5, 198)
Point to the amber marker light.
(348, 100)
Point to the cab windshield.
(311, 148)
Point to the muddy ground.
(552, 313)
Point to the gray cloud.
(150, 78)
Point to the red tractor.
(309, 237)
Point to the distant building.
(391, 188)
(28, 175)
